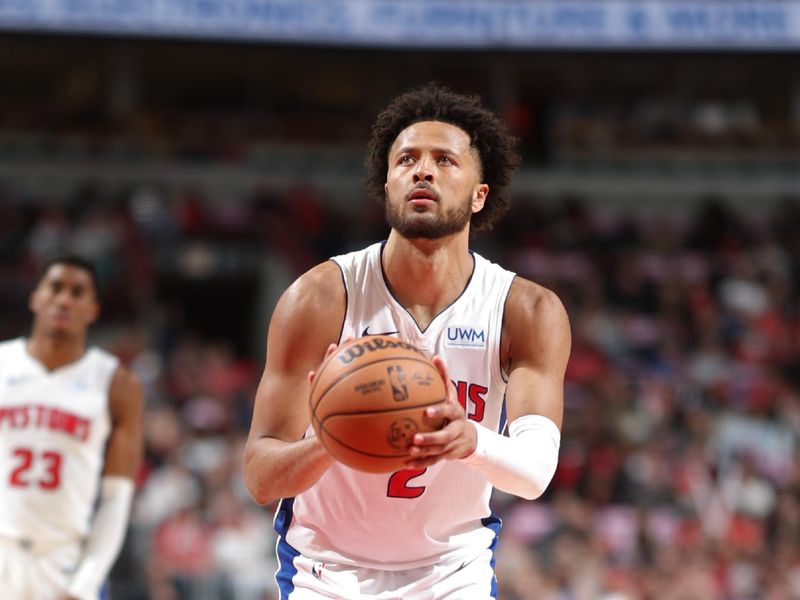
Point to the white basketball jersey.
(53, 431)
(411, 518)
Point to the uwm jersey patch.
(411, 518)
(54, 426)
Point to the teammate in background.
(70, 445)
(442, 163)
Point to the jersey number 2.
(51, 478)
(398, 484)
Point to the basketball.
(368, 400)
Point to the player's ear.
(479, 197)
(32, 298)
(94, 313)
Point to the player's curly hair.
(488, 134)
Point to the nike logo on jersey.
(366, 332)
(316, 569)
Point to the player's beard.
(428, 225)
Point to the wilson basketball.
(369, 398)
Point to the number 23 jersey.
(54, 426)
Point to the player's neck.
(54, 351)
(426, 276)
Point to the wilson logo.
(465, 337)
(359, 348)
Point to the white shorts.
(31, 571)
(305, 579)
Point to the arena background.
(205, 153)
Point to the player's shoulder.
(101, 354)
(308, 316)
(125, 395)
(99, 360)
(12, 345)
(125, 380)
(12, 353)
(532, 304)
(318, 284)
(313, 302)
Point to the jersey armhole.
(498, 367)
(346, 298)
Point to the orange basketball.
(369, 398)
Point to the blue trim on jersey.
(286, 553)
(104, 595)
(494, 523)
(503, 415)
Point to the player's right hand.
(331, 349)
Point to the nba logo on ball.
(398, 379)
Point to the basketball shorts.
(307, 579)
(36, 571)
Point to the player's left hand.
(457, 439)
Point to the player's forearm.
(277, 469)
(105, 539)
(522, 464)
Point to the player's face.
(433, 182)
(64, 303)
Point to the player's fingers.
(422, 461)
(447, 411)
(426, 449)
(438, 362)
(440, 437)
(331, 349)
(425, 456)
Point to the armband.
(522, 464)
(105, 538)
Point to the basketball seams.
(391, 457)
(380, 411)
(355, 369)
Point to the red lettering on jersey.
(40, 416)
(21, 417)
(476, 394)
(461, 388)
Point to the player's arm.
(278, 461)
(122, 459)
(535, 347)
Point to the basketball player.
(70, 444)
(443, 163)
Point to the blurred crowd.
(679, 474)
(697, 128)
